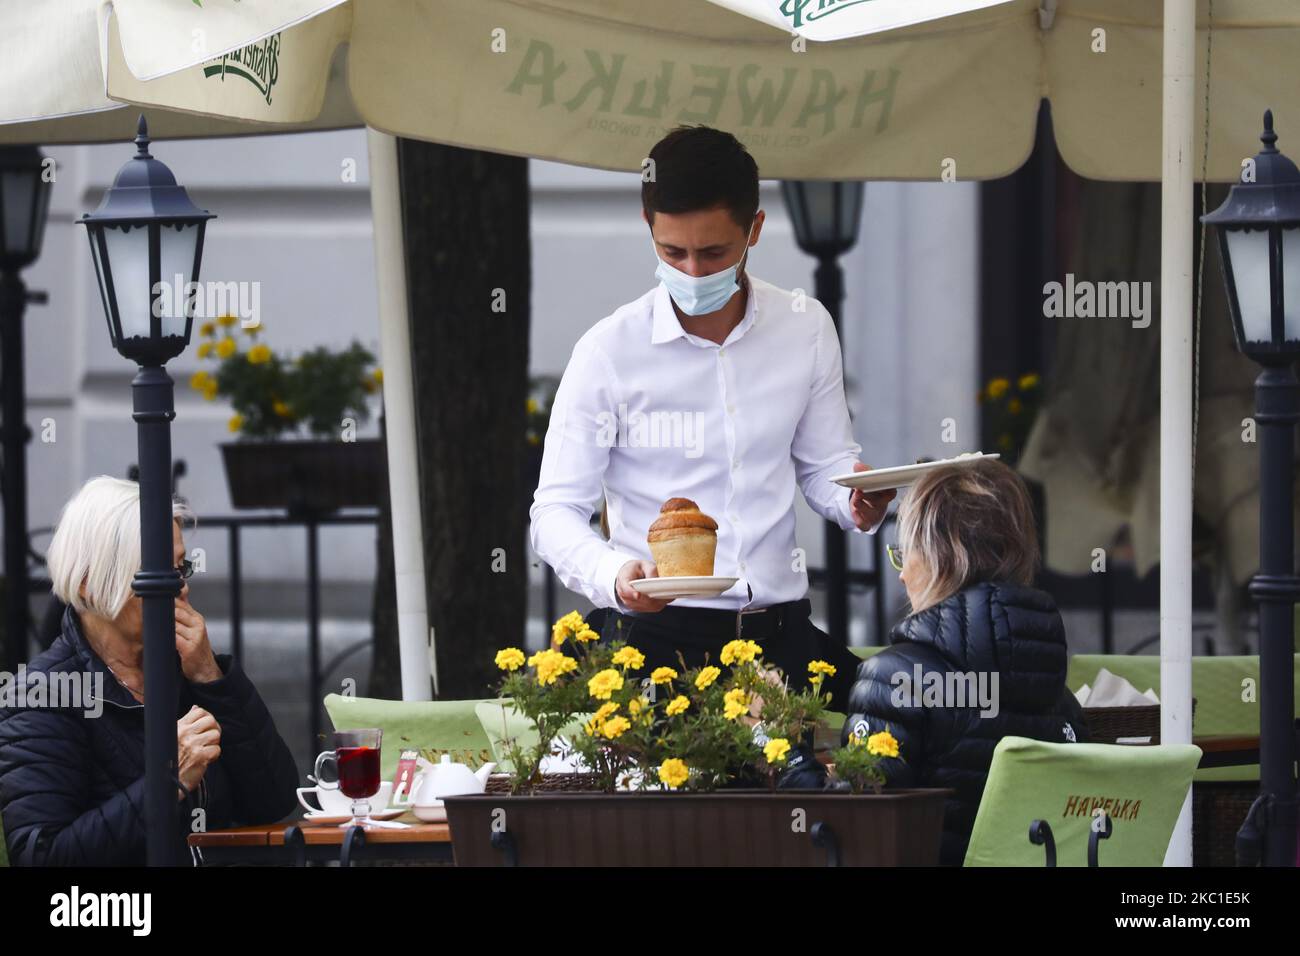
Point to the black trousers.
(785, 632)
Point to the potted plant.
(684, 763)
(275, 399)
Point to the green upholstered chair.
(1142, 790)
(432, 727)
(501, 722)
(1224, 707)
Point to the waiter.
(753, 373)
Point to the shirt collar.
(667, 326)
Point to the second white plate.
(682, 587)
(900, 476)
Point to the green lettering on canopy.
(540, 57)
(764, 101)
(602, 78)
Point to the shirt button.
(731, 409)
(742, 565)
(735, 466)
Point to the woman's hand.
(198, 743)
(198, 663)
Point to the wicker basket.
(550, 783)
(1106, 725)
(1218, 811)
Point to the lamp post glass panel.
(24, 203)
(1259, 243)
(826, 216)
(146, 239)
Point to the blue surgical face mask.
(700, 295)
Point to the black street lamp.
(145, 236)
(826, 216)
(1259, 243)
(24, 203)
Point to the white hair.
(96, 545)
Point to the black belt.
(751, 624)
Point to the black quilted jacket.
(72, 786)
(987, 630)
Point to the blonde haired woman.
(72, 771)
(981, 656)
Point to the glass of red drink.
(356, 755)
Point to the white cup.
(335, 803)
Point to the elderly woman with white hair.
(72, 770)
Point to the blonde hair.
(97, 545)
(969, 523)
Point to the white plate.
(900, 476)
(682, 587)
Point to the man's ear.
(759, 218)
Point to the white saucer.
(680, 587)
(326, 818)
(900, 476)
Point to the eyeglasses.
(895, 556)
(185, 569)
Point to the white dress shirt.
(646, 412)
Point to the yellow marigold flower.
(259, 354)
(1015, 406)
(280, 408)
(585, 634)
(776, 749)
(856, 740)
(531, 406)
(551, 665)
(510, 659)
(236, 422)
(740, 652)
(199, 380)
(737, 703)
(706, 677)
(663, 675)
(998, 387)
(566, 626)
(634, 706)
(882, 744)
(378, 376)
(597, 721)
(1028, 381)
(205, 349)
(678, 705)
(673, 772)
(615, 727)
(210, 390)
(821, 667)
(226, 348)
(226, 321)
(629, 658)
(208, 329)
(605, 683)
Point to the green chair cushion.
(1143, 789)
(1219, 684)
(432, 727)
(500, 723)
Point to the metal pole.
(158, 584)
(1276, 588)
(1176, 396)
(313, 630)
(13, 302)
(828, 284)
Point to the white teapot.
(443, 779)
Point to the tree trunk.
(466, 222)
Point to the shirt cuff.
(607, 575)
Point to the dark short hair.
(696, 167)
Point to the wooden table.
(301, 842)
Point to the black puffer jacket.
(72, 785)
(1012, 640)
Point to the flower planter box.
(726, 828)
(313, 477)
